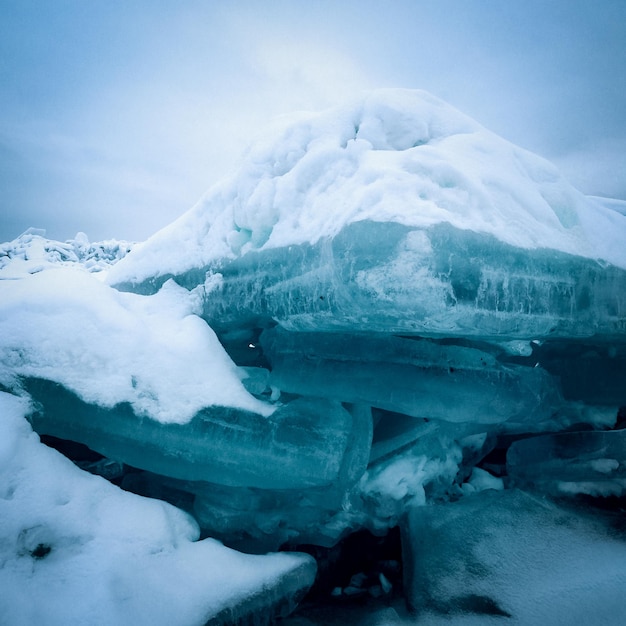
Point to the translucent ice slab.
(386, 277)
(417, 465)
(590, 462)
(75, 549)
(416, 377)
(306, 443)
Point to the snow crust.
(391, 156)
(76, 550)
(110, 347)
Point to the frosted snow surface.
(391, 156)
(110, 347)
(514, 558)
(76, 550)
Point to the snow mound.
(393, 155)
(74, 550)
(109, 347)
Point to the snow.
(611, 203)
(392, 487)
(394, 155)
(76, 550)
(109, 347)
(480, 480)
(31, 252)
(518, 554)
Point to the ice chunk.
(415, 476)
(590, 462)
(261, 519)
(306, 443)
(508, 554)
(74, 549)
(257, 380)
(437, 281)
(395, 214)
(424, 469)
(416, 377)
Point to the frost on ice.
(386, 317)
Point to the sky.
(116, 116)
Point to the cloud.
(304, 74)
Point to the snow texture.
(76, 550)
(31, 252)
(397, 156)
(110, 347)
(509, 557)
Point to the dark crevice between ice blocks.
(87, 459)
(589, 371)
(361, 571)
(244, 347)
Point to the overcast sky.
(116, 116)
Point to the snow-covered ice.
(395, 214)
(76, 550)
(387, 315)
(506, 556)
(111, 347)
(399, 156)
(32, 252)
